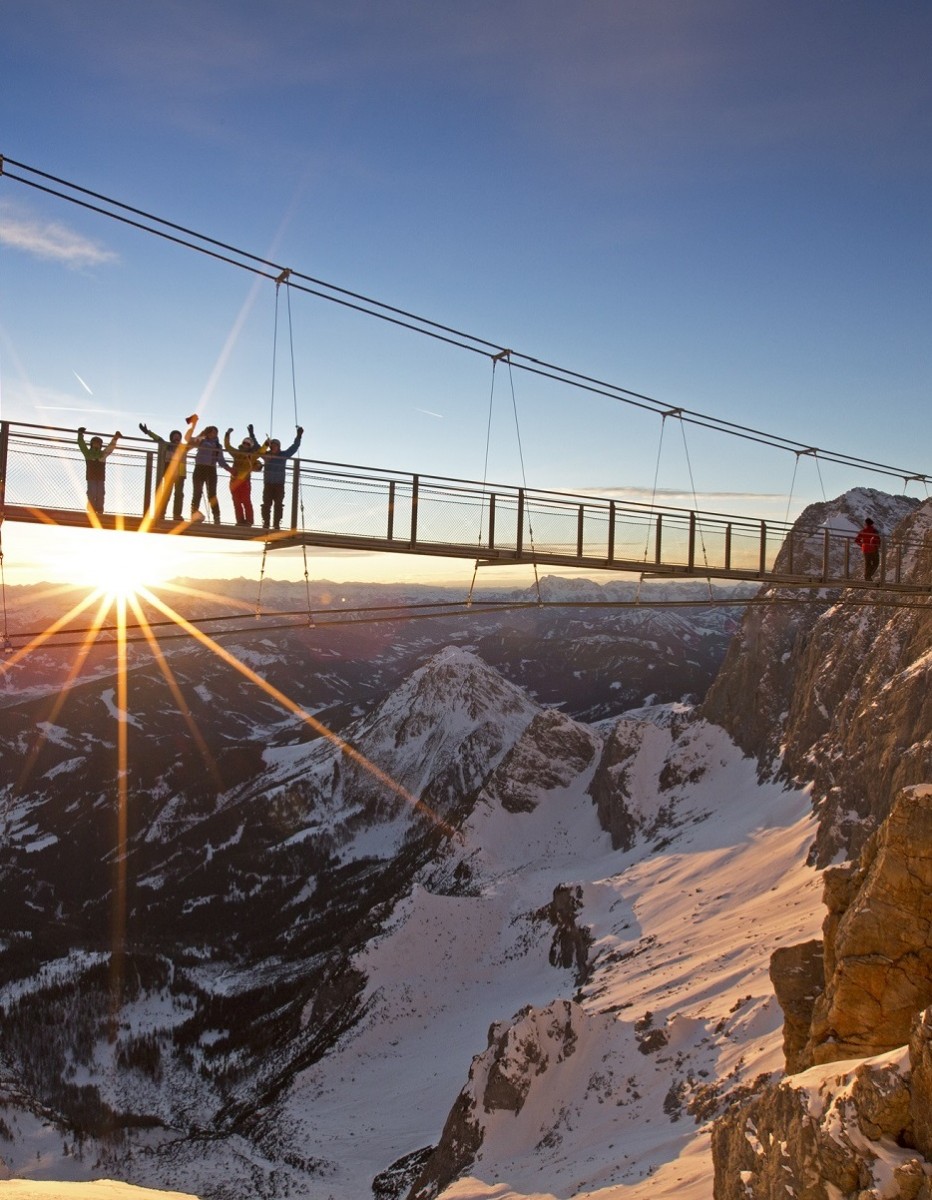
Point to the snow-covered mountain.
(466, 945)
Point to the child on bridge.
(95, 462)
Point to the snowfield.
(683, 933)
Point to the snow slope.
(681, 931)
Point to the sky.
(721, 205)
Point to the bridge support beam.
(295, 492)
(4, 454)
(415, 481)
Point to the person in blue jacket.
(273, 487)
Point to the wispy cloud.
(50, 240)
(643, 495)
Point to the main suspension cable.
(368, 306)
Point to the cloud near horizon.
(643, 495)
(50, 240)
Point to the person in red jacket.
(869, 540)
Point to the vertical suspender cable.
(485, 476)
(821, 482)
(294, 395)
(692, 484)
(530, 527)
(789, 499)
(653, 499)
(265, 545)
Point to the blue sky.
(724, 205)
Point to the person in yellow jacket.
(245, 459)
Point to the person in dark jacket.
(869, 540)
(95, 462)
(173, 470)
(275, 460)
(208, 456)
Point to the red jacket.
(868, 539)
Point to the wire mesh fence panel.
(594, 538)
(635, 537)
(348, 507)
(450, 517)
(745, 548)
(712, 545)
(51, 474)
(45, 478)
(550, 528)
(672, 538)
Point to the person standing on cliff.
(869, 540)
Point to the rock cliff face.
(877, 945)
(863, 1128)
(840, 684)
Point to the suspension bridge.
(337, 506)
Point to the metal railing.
(343, 505)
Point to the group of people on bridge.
(246, 458)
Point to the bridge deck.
(339, 506)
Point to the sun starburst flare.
(120, 588)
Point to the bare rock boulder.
(798, 977)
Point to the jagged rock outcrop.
(864, 1128)
(855, 993)
(571, 941)
(635, 754)
(500, 1080)
(553, 750)
(840, 686)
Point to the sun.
(119, 563)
